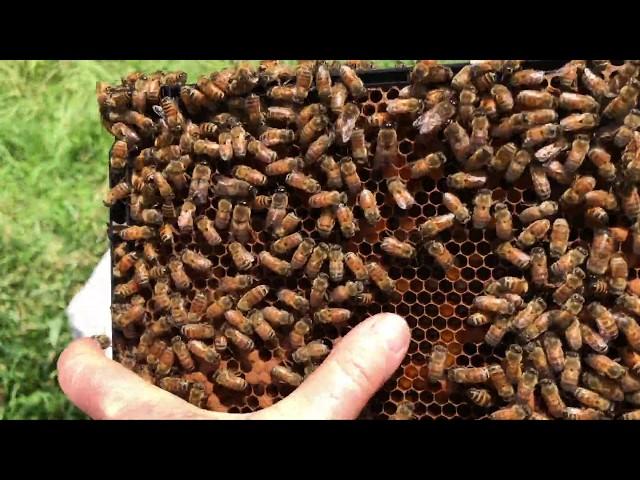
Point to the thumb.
(356, 368)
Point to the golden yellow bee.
(252, 298)
(396, 248)
(277, 317)
(227, 379)
(332, 315)
(481, 212)
(160, 297)
(276, 265)
(299, 331)
(283, 374)
(468, 374)
(317, 297)
(318, 256)
(463, 180)
(312, 351)
(196, 261)
(436, 225)
(293, 300)
(437, 363)
(569, 261)
(497, 330)
(242, 258)
(380, 277)
(349, 290)
(240, 340)
(386, 146)
(630, 329)
(198, 331)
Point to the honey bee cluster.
(259, 214)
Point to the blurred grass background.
(53, 175)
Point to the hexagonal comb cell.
(179, 146)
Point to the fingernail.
(395, 329)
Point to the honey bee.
(632, 415)
(353, 82)
(288, 224)
(440, 254)
(327, 199)
(225, 378)
(318, 290)
(541, 134)
(553, 349)
(165, 362)
(234, 284)
(346, 123)
(540, 181)
(551, 397)
(241, 230)
(463, 180)
(242, 258)
(503, 98)
(489, 303)
(437, 363)
(331, 170)
(293, 300)
(350, 175)
(459, 142)
(356, 266)
(284, 166)
(619, 272)
(503, 220)
(283, 374)
(398, 189)
(601, 159)
(527, 315)
(238, 321)
(262, 328)
(573, 283)
(309, 132)
(312, 351)
(625, 133)
(404, 411)
(276, 265)
(178, 275)
(431, 121)
(310, 111)
(537, 212)
(536, 99)
(592, 399)
(481, 397)
(514, 255)
(630, 329)
(342, 293)
(250, 175)
(380, 277)
(233, 187)
(468, 375)
(479, 318)
(480, 158)
(299, 331)
(603, 365)
(318, 148)
(277, 317)
(278, 209)
(136, 233)
(538, 359)
(302, 182)
(332, 315)
(318, 256)
(604, 386)
(479, 132)
(569, 261)
(302, 253)
(272, 137)
(282, 93)
(367, 202)
(396, 248)
(500, 383)
(198, 331)
(323, 82)
(176, 385)
(497, 330)
(631, 359)
(602, 248)
(196, 261)
(386, 146)
(466, 105)
(240, 340)
(117, 193)
(208, 230)
(282, 115)
(540, 325)
(513, 363)
(621, 105)
(630, 201)
(533, 233)
(261, 152)
(284, 244)
(260, 203)
(252, 298)
(482, 204)
(182, 354)
(526, 386)
(125, 264)
(345, 218)
(435, 225)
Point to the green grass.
(53, 173)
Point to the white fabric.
(89, 311)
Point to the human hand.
(338, 389)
